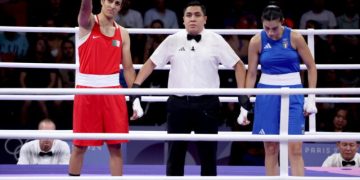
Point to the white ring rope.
(39, 29)
(164, 98)
(162, 136)
(171, 31)
(37, 65)
(166, 67)
(171, 91)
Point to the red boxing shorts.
(99, 114)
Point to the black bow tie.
(196, 37)
(348, 163)
(49, 153)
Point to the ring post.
(284, 126)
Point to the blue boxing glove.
(245, 107)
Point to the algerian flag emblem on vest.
(115, 43)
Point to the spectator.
(340, 120)
(324, 17)
(349, 20)
(13, 46)
(167, 16)
(348, 155)
(239, 43)
(45, 151)
(318, 13)
(66, 79)
(39, 52)
(67, 76)
(54, 40)
(129, 17)
(323, 51)
(154, 40)
(328, 79)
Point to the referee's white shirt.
(29, 153)
(194, 64)
(335, 160)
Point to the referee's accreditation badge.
(115, 43)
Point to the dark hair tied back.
(272, 12)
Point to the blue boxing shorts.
(267, 112)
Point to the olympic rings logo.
(13, 146)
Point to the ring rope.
(166, 67)
(172, 91)
(164, 98)
(171, 31)
(162, 135)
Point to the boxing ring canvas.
(154, 152)
(159, 170)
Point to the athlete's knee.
(295, 150)
(271, 148)
(114, 146)
(79, 150)
(114, 149)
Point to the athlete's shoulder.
(256, 38)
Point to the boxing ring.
(191, 172)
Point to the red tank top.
(100, 54)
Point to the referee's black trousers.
(192, 113)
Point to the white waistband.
(280, 79)
(95, 80)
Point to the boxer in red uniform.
(104, 45)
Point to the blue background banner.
(154, 152)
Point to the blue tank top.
(278, 56)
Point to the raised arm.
(85, 18)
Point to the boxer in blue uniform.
(280, 51)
